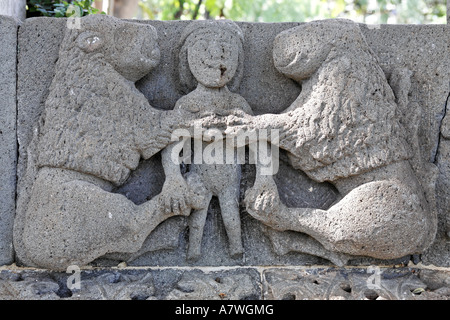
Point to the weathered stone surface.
(33, 82)
(387, 207)
(13, 8)
(240, 284)
(430, 88)
(25, 285)
(101, 125)
(439, 253)
(131, 284)
(115, 286)
(371, 283)
(227, 284)
(402, 77)
(207, 83)
(8, 144)
(262, 86)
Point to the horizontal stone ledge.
(227, 283)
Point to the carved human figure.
(211, 52)
(95, 128)
(343, 128)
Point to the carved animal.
(344, 128)
(95, 128)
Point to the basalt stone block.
(8, 144)
(439, 252)
(131, 284)
(358, 112)
(369, 283)
(372, 283)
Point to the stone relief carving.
(211, 52)
(344, 128)
(347, 127)
(95, 128)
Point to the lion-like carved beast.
(95, 128)
(343, 128)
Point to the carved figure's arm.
(170, 164)
(175, 192)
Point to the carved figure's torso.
(223, 175)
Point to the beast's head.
(299, 52)
(130, 48)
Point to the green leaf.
(43, 11)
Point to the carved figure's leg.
(229, 208)
(71, 220)
(381, 219)
(197, 221)
(288, 241)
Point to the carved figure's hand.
(215, 120)
(182, 119)
(239, 118)
(197, 188)
(178, 199)
(262, 201)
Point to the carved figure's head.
(299, 52)
(211, 53)
(131, 48)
